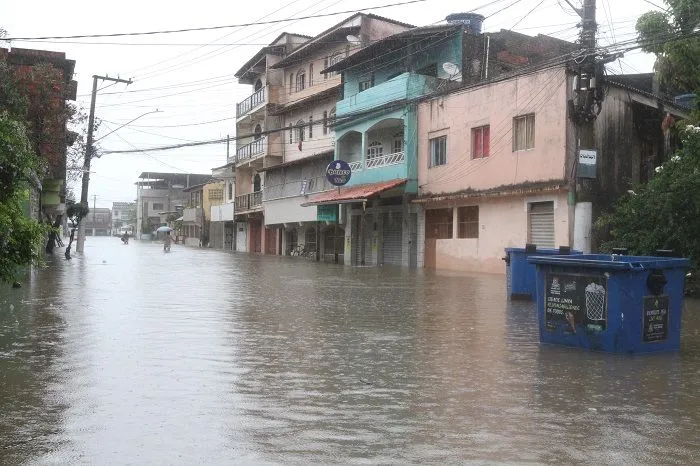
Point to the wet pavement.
(132, 356)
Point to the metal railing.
(248, 201)
(252, 101)
(386, 160)
(249, 150)
(355, 166)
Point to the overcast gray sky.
(189, 76)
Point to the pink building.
(497, 165)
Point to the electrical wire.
(210, 28)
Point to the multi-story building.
(377, 125)
(123, 218)
(222, 233)
(277, 170)
(161, 196)
(510, 171)
(98, 222)
(196, 217)
(47, 91)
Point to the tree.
(677, 60)
(76, 212)
(664, 213)
(20, 236)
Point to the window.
(230, 191)
(374, 150)
(216, 194)
(468, 222)
(311, 126)
(325, 122)
(438, 151)
(481, 144)
(299, 131)
(524, 132)
(335, 58)
(291, 134)
(311, 74)
(158, 206)
(397, 144)
(366, 82)
(301, 80)
(438, 223)
(291, 83)
(541, 224)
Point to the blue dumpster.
(612, 303)
(520, 274)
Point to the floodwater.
(132, 356)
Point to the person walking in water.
(167, 242)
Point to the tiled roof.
(355, 193)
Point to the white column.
(455, 224)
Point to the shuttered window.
(541, 224)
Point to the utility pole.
(89, 152)
(584, 108)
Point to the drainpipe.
(488, 49)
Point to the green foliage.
(21, 238)
(77, 211)
(18, 164)
(677, 61)
(664, 213)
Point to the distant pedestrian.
(167, 242)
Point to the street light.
(128, 123)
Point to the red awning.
(353, 194)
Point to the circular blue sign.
(338, 172)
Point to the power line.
(210, 28)
(527, 14)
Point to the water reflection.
(200, 356)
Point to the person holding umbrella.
(168, 239)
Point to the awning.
(353, 194)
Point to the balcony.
(403, 87)
(258, 98)
(250, 201)
(250, 151)
(192, 215)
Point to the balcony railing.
(380, 161)
(251, 102)
(249, 201)
(355, 166)
(249, 150)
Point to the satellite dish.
(353, 39)
(451, 69)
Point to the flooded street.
(132, 356)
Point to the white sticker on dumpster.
(575, 302)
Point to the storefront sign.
(575, 302)
(655, 319)
(327, 213)
(338, 172)
(587, 160)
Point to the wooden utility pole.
(89, 153)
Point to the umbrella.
(164, 228)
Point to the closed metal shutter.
(541, 224)
(356, 222)
(392, 238)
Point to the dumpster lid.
(608, 261)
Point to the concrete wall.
(503, 222)
(288, 210)
(319, 142)
(542, 93)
